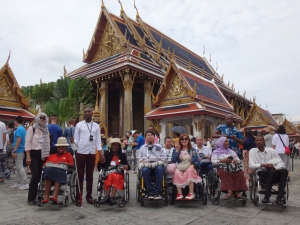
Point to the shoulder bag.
(286, 148)
(184, 165)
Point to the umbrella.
(179, 129)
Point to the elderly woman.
(232, 177)
(185, 173)
(55, 169)
(37, 147)
(114, 181)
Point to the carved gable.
(176, 90)
(109, 46)
(7, 96)
(257, 119)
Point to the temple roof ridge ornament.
(137, 12)
(65, 71)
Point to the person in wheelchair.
(185, 173)
(55, 168)
(115, 180)
(151, 158)
(229, 170)
(271, 167)
(204, 153)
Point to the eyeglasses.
(184, 139)
(43, 118)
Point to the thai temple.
(12, 101)
(144, 77)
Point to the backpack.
(11, 136)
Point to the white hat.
(62, 141)
(115, 140)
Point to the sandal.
(53, 199)
(46, 199)
(228, 196)
(238, 196)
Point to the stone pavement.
(14, 210)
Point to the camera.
(230, 157)
(91, 137)
(150, 147)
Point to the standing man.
(139, 140)
(69, 132)
(204, 153)
(18, 154)
(87, 139)
(55, 132)
(233, 135)
(2, 153)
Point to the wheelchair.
(213, 188)
(257, 191)
(103, 173)
(199, 189)
(64, 192)
(141, 189)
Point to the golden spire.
(102, 6)
(65, 71)
(228, 83)
(137, 12)
(96, 112)
(203, 50)
(83, 53)
(8, 58)
(232, 86)
(244, 94)
(122, 10)
(222, 78)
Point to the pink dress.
(182, 178)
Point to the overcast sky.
(255, 43)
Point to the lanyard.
(90, 130)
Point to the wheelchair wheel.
(73, 182)
(142, 202)
(138, 190)
(204, 199)
(39, 201)
(256, 201)
(66, 203)
(127, 188)
(210, 185)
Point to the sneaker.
(157, 197)
(266, 200)
(278, 201)
(16, 186)
(190, 196)
(24, 187)
(179, 197)
(151, 196)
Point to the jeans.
(21, 174)
(205, 166)
(2, 164)
(274, 176)
(158, 172)
(36, 170)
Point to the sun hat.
(62, 141)
(269, 129)
(115, 140)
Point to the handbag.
(286, 148)
(184, 165)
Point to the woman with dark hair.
(280, 140)
(114, 181)
(248, 144)
(183, 177)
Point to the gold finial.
(8, 58)
(122, 10)
(102, 6)
(137, 12)
(232, 86)
(222, 77)
(254, 98)
(202, 73)
(203, 50)
(173, 53)
(65, 71)
(83, 53)
(238, 91)
(228, 83)
(244, 94)
(96, 112)
(41, 82)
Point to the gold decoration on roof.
(232, 86)
(228, 83)
(222, 78)
(244, 95)
(65, 71)
(7, 61)
(96, 112)
(217, 67)
(83, 53)
(122, 10)
(102, 5)
(202, 72)
(137, 12)
(177, 89)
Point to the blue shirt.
(231, 131)
(141, 141)
(20, 132)
(69, 132)
(56, 132)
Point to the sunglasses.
(184, 139)
(42, 118)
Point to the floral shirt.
(215, 158)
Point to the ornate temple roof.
(184, 92)
(290, 128)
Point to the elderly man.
(271, 168)
(204, 153)
(233, 134)
(151, 152)
(87, 139)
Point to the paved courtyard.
(14, 210)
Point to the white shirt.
(279, 146)
(2, 131)
(256, 158)
(169, 153)
(204, 151)
(83, 130)
(157, 153)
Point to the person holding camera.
(232, 177)
(232, 133)
(87, 140)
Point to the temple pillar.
(127, 83)
(103, 90)
(147, 102)
(121, 116)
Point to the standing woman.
(269, 136)
(37, 147)
(185, 153)
(248, 144)
(280, 140)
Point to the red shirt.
(55, 158)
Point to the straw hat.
(269, 129)
(62, 141)
(115, 140)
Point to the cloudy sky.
(255, 43)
